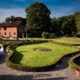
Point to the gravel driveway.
(61, 72)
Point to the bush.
(52, 35)
(7, 42)
(45, 35)
(0, 55)
(78, 34)
(73, 64)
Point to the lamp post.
(23, 35)
(26, 36)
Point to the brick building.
(11, 29)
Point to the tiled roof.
(10, 24)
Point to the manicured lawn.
(33, 58)
(68, 40)
(65, 40)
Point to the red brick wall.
(9, 31)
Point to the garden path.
(60, 72)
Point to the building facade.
(11, 29)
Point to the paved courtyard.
(60, 72)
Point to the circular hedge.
(74, 62)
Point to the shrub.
(0, 55)
(73, 64)
(7, 42)
(52, 35)
(78, 34)
(45, 35)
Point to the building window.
(14, 33)
(5, 28)
(9, 33)
(5, 33)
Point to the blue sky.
(57, 7)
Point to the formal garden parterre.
(25, 57)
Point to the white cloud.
(55, 12)
(8, 12)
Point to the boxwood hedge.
(72, 64)
(11, 50)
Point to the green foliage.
(77, 18)
(22, 64)
(64, 26)
(7, 42)
(55, 27)
(45, 35)
(72, 64)
(68, 41)
(78, 34)
(13, 18)
(38, 17)
(52, 35)
(34, 60)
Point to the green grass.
(0, 45)
(33, 58)
(72, 64)
(68, 40)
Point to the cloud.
(8, 12)
(56, 11)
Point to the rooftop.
(10, 24)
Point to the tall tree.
(13, 18)
(38, 17)
(77, 17)
(55, 27)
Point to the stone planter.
(77, 72)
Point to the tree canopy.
(38, 17)
(13, 18)
(77, 18)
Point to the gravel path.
(61, 72)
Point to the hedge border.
(72, 64)
(27, 68)
(63, 43)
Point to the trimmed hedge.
(62, 43)
(11, 51)
(26, 68)
(72, 64)
(45, 35)
(8, 42)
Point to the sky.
(58, 8)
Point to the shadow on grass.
(61, 64)
(2, 59)
(16, 57)
(27, 77)
(77, 60)
(3, 56)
